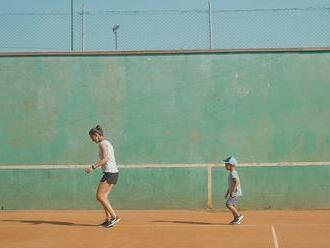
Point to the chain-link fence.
(169, 29)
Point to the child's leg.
(233, 210)
(230, 204)
(102, 196)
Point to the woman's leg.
(106, 211)
(99, 192)
(102, 196)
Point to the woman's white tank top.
(111, 165)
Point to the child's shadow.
(190, 222)
(38, 222)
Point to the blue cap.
(231, 160)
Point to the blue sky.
(64, 5)
(164, 31)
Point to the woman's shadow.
(59, 223)
(190, 222)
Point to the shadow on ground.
(190, 222)
(38, 222)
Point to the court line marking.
(141, 166)
(274, 237)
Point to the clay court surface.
(165, 228)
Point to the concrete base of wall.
(166, 188)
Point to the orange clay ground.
(164, 228)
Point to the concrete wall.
(72, 188)
(166, 188)
(180, 108)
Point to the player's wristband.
(93, 167)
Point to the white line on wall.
(72, 166)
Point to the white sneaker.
(238, 220)
(114, 221)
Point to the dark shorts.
(232, 201)
(111, 178)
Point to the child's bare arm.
(227, 193)
(234, 187)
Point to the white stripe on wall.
(206, 166)
(278, 164)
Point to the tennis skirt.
(110, 177)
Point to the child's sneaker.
(232, 222)
(238, 220)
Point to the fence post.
(210, 26)
(71, 25)
(83, 27)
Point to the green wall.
(147, 188)
(182, 108)
(166, 188)
(179, 108)
(278, 187)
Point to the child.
(234, 191)
(110, 174)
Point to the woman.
(110, 174)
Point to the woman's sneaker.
(104, 223)
(112, 222)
